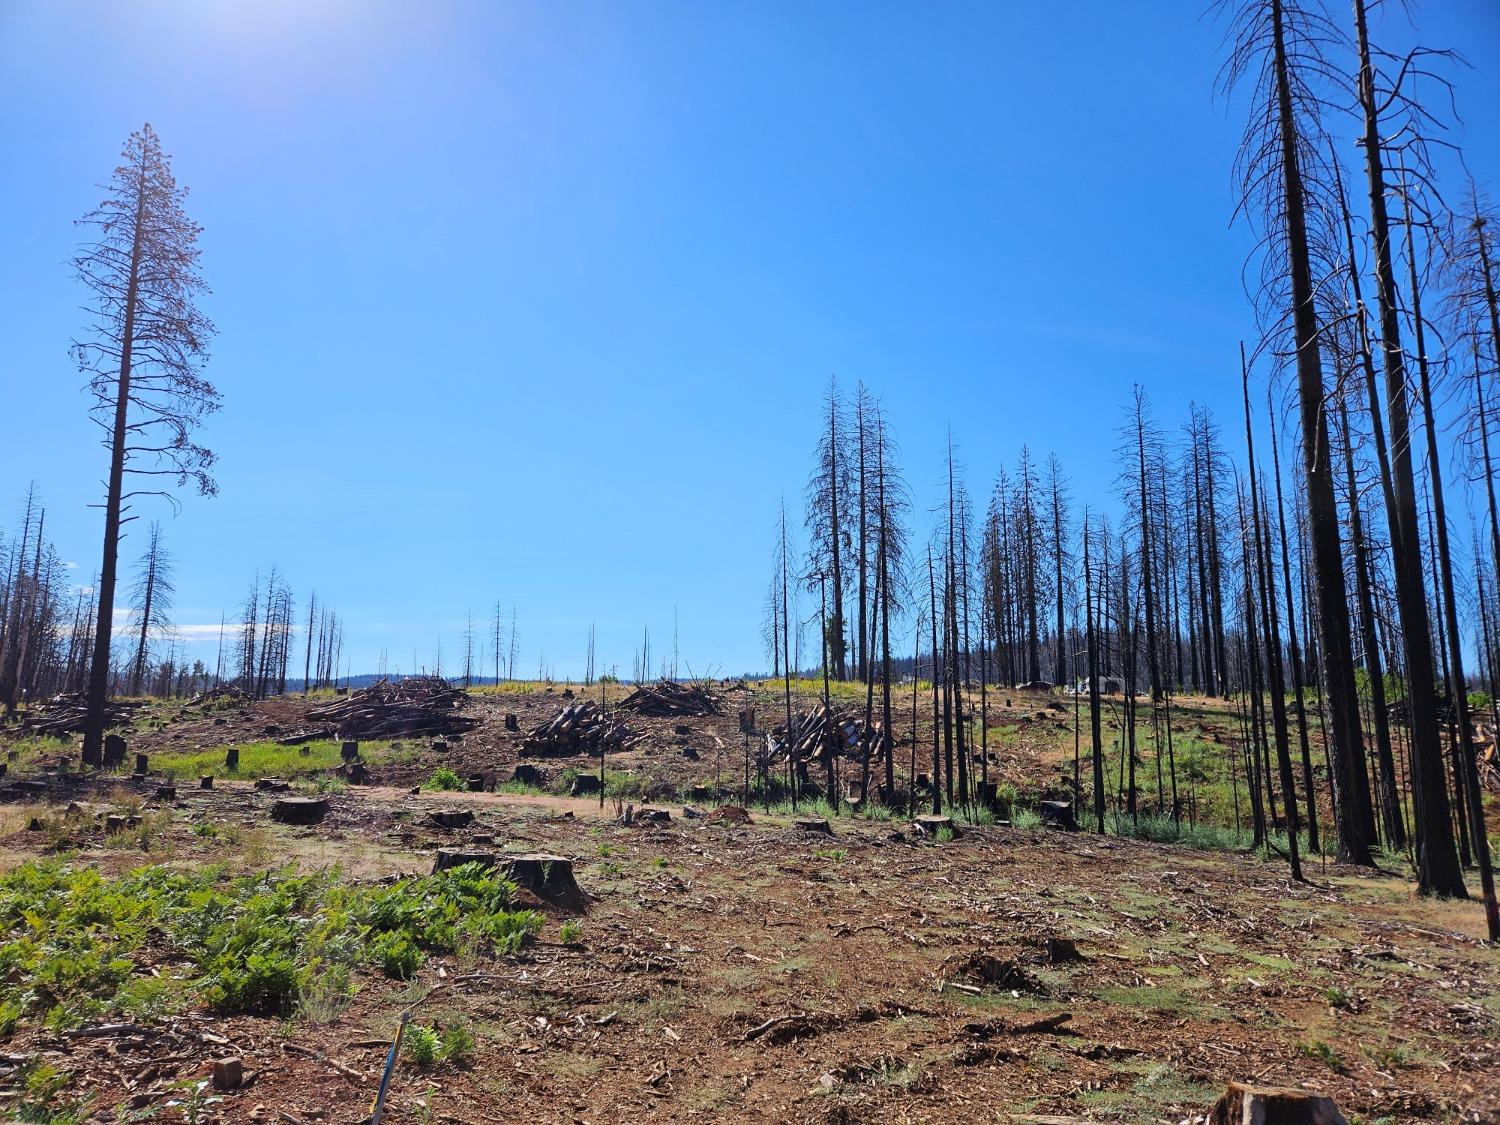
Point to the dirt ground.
(761, 972)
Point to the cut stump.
(300, 810)
(1267, 1105)
(549, 877)
(1058, 814)
(818, 825)
(451, 818)
(457, 857)
(527, 774)
(930, 825)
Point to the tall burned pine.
(1057, 496)
(143, 353)
(827, 514)
(1438, 870)
(151, 598)
(1278, 50)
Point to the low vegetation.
(81, 947)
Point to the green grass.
(270, 759)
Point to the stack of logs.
(65, 714)
(824, 730)
(579, 728)
(669, 699)
(413, 705)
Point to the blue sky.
(536, 302)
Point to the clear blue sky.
(536, 302)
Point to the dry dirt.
(762, 973)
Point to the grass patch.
(271, 759)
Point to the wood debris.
(667, 698)
(413, 705)
(579, 728)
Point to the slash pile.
(413, 705)
(668, 699)
(65, 714)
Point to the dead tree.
(827, 508)
(1438, 870)
(152, 598)
(1278, 49)
(143, 354)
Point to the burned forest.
(731, 565)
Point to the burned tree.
(151, 598)
(144, 353)
(1278, 49)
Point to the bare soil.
(755, 972)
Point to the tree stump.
(228, 1073)
(299, 810)
(1058, 814)
(728, 814)
(349, 752)
(549, 877)
(142, 764)
(585, 785)
(206, 781)
(451, 818)
(457, 857)
(273, 785)
(930, 825)
(232, 759)
(690, 753)
(166, 792)
(652, 816)
(118, 822)
(439, 746)
(1061, 950)
(114, 751)
(1265, 1105)
(477, 783)
(527, 774)
(359, 774)
(512, 723)
(817, 825)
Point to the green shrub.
(425, 1046)
(276, 942)
(396, 954)
(446, 779)
(457, 1043)
(421, 1045)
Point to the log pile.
(231, 694)
(668, 699)
(578, 728)
(410, 706)
(65, 714)
(814, 733)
